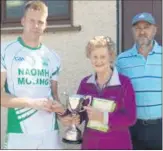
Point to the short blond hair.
(36, 5)
(99, 42)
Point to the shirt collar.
(113, 81)
(154, 49)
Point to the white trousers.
(45, 140)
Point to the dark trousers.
(147, 135)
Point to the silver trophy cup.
(73, 134)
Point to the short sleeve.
(3, 63)
(56, 67)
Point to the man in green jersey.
(31, 71)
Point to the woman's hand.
(76, 119)
(69, 120)
(65, 120)
(94, 114)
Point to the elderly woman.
(107, 84)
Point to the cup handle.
(90, 100)
(82, 110)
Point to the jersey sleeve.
(3, 63)
(56, 67)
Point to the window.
(12, 11)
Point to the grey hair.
(101, 41)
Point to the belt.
(148, 122)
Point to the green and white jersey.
(29, 72)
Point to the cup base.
(72, 142)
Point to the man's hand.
(94, 114)
(41, 104)
(57, 107)
(47, 105)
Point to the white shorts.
(45, 140)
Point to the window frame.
(52, 20)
